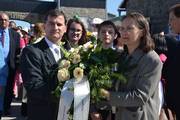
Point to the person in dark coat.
(172, 65)
(38, 64)
(9, 51)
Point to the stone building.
(85, 9)
(155, 10)
(33, 10)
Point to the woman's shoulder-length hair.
(146, 42)
(83, 39)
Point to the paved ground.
(15, 112)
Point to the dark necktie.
(2, 38)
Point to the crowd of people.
(29, 61)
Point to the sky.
(111, 5)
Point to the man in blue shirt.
(9, 49)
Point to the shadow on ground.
(15, 113)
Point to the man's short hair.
(175, 9)
(55, 13)
(4, 13)
(107, 23)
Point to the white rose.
(79, 47)
(65, 64)
(87, 46)
(78, 73)
(71, 50)
(76, 58)
(76, 50)
(81, 65)
(63, 74)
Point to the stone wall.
(84, 12)
(156, 10)
(33, 11)
(84, 3)
(25, 16)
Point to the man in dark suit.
(172, 65)
(38, 63)
(9, 46)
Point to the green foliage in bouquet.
(104, 66)
(101, 66)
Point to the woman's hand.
(96, 116)
(104, 93)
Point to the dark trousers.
(106, 114)
(8, 96)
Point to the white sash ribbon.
(81, 96)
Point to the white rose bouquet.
(101, 66)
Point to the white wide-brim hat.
(97, 21)
(25, 29)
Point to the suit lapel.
(47, 52)
(49, 56)
(62, 54)
(12, 43)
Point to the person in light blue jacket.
(9, 51)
